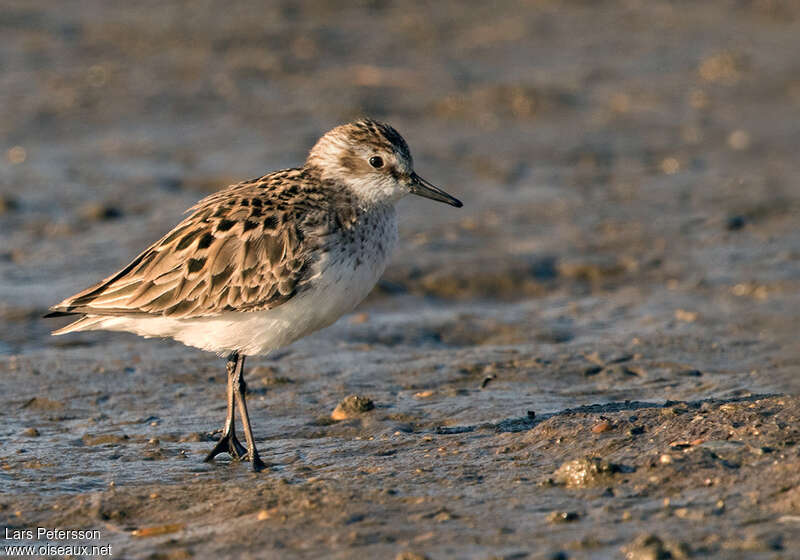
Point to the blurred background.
(629, 171)
(595, 144)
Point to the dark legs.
(228, 442)
(240, 388)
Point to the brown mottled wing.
(246, 248)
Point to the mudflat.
(596, 357)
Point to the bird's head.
(372, 160)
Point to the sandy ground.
(596, 357)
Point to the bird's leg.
(228, 442)
(240, 388)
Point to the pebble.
(652, 547)
(601, 427)
(352, 406)
(646, 547)
(403, 428)
(589, 471)
(735, 223)
(562, 516)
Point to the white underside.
(340, 283)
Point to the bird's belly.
(342, 285)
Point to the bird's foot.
(257, 464)
(229, 444)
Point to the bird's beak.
(421, 187)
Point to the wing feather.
(246, 248)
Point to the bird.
(264, 262)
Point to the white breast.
(341, 279)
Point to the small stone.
(601, 427)
(735, 223)
(403, 428)
(589, 471)
(352, 406)
(646, 547)
(562, 516)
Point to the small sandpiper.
(265, 262)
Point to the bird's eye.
(376, 162)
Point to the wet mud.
(596, 357)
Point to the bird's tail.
(85, 323)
